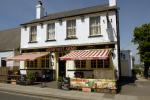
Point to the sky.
(132, 13)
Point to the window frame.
(71, 27)
(51, 30)
(98, 25)
(103, 63)
(33, 32)
(32, 64)
(3, 62)
(80, 64)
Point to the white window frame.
(95, 25)
(33, 34)
(51, 31)
(71, 28)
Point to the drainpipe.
(118, 42)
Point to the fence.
(7, 73)
(3, 74)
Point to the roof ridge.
(104, 5)
(8, 29)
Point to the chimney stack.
(39, 10)
(112, 2)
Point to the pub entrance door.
(62, 66)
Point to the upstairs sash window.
(71, 28)
(33, 33)
(51, 31)
(95, 28)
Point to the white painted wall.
(82, 33)
(22, 66)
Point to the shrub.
(31, 76)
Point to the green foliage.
(137, 66)
(31, 76)
(142, 39)
(139, 71)
(60, 78)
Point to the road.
(14, 96)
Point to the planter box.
(13, 82)
(86, 89)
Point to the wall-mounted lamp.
(104, 21)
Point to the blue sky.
(132, 13)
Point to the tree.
(141, 37)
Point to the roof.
(76, 12)
(10, 39)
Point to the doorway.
(62, 66)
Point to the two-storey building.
(78, 43)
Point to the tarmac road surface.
(14, 96)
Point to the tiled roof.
(10, 39)
(76, 12)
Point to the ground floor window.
(100, 63)
(3, 62)
(80, 63)
(32, 64)
(43, 62)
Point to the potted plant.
(59, 82)
(30, 78)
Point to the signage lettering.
(60, 49)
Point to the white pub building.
(81, 43)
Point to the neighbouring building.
(9, 46)
(81, 43)
(127, 63)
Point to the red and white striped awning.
(27, 56)
(87, 54)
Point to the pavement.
(140, 90)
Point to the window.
(80, 63)
(3, 62)
(32, 64)
(47, 61)
(28, 64)
(95, 26)
(100, 63)
(33, 33)
(93, 63)
(35, 64)
(71, 29)
(43, 63)
(51, 31)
